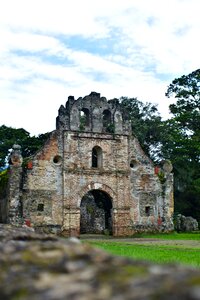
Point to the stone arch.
(97, 186)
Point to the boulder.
(186, 224)
(36, 267)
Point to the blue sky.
(56, 48)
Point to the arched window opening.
(97, 157)
(84, 118)
(108, 126)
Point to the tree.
(10, 136)
(186, 90)
(146, 124)
(183, 142)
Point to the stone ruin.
(91, 176)
(186, 224)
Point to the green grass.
(171, 236)
(169, 253)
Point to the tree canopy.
(146, 124)
(182, 142)
(10, 136)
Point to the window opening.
(57, 159)
(147, 211)
(133, 164)
(107, 124)
(40, 207)
(84, 118)
(96, 157)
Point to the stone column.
(121, 222)
(14, 185)
(168, 205)
(71, 222)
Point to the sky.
(51, 49)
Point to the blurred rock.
(38, 267)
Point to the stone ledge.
(35, 266)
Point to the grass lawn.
(165, 253)
(171, 236)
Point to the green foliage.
(181, 142)
(90, 209)
(10, 136)
(161, 176)
(4, 177)
(186, 90)
(176, 139)
(145, 122)
(82, 122)
(110, 128)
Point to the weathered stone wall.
(80, 177)
(14, 201)
(94, 108)
(42, 187)
(151, 198)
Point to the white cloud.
(47, 53)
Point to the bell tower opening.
(107, 122)
(84, 118)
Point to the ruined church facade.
(91, 176)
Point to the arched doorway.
(96, 213)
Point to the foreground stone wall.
(41, 267)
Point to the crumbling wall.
(80, 177)
(102, 115)
(42, 187)
(151, 192)
(14, 186)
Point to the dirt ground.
(144, 241)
